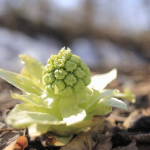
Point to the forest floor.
(122, 130)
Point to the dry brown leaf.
(103, 142)
(101, 128)
(2, 125)
(6, 137)
(20, 144)
(82, 142)
(11, 146)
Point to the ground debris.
(86, 141)
(130, 128)
(135, 115)
(142, 138)
(82, 142)
(55, 140)
(103, 142)
(20, 144)
(6, 137)
(131, 146)
(141, 125)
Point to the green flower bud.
(60, 73)
(58, 85)
(48, 78)
(79, 72)
(65, 74)
(65, 54)
(70, 79)
(87, 80)
(79, 86)
(75, 59)
(48, 68)
(70, 66)
(68, 91)
(88, 71)
(59, 63)
(52, 58)
(83, 66)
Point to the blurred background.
(104, 33)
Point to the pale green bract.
(60, 97)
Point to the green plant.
(60, 97)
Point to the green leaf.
(33, 66)
(89, 120)
(20, 81)
(104, 107)
(93, 118)
(86, 98)
(127, 94)
(25, 114)
(34, 99)
(92, 105)
(26, 73)
(114, 102)
(70, 111)
(50, 104)
(100, 81)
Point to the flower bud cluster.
(65, 74)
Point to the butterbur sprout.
(65, 71)
(60, 97)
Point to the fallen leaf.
(2, 125)
(101, 128)
(6, 137)
(11, 146)
(103, 142)
(82, 142)
(20, 144)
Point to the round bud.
(48, 68)
(65, 74)
(48, 78)
(79, 86)
(79, 72)
(60, 73)
(68, 91)
(87, 80)
(58, 85)
(70, 79)
(70, 66)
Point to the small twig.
(12, 129)
(24, 132)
